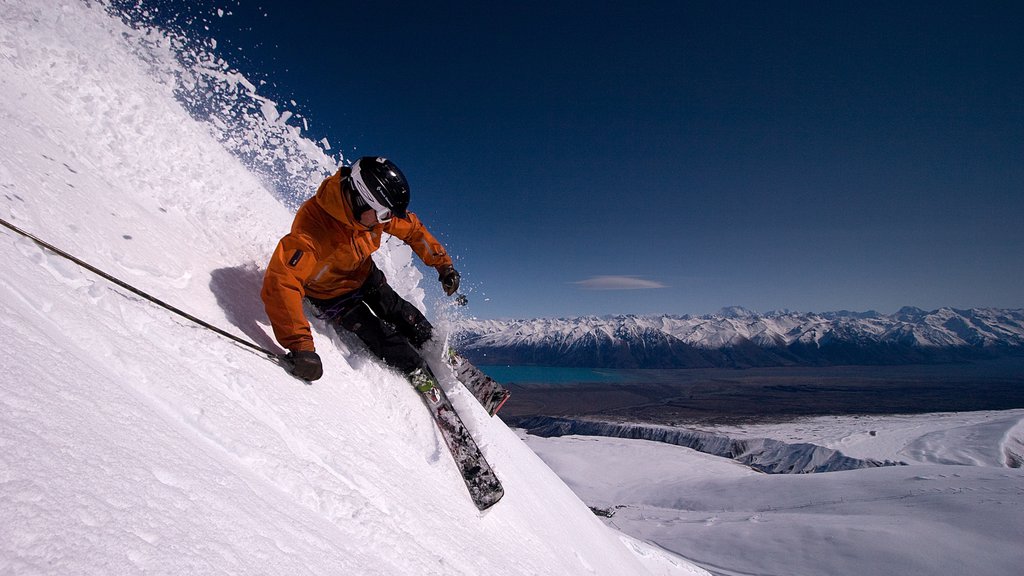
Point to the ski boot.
(425, 383)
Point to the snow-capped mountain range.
(736, 337)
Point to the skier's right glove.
(304, 364)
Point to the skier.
(326, 260)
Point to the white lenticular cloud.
(618, 283)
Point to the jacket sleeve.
(415, 234)
(290, 266)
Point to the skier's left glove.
(449, 278)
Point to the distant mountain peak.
(736, 312)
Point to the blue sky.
(678, 157)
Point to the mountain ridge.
(736, 337)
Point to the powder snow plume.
(256, 129)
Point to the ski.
(491, 395)
(484, 487)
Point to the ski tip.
(505, 396)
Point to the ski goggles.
(383, 213)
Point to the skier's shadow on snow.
(238, 294)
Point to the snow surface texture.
(132, 441)
(957, 508)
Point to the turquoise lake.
(550, 375)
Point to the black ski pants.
(390, 326)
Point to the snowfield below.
(956, 508)
(133, 441)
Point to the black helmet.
(382, 186)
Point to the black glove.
(304, 364)
(449, 278)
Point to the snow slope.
(764, 454)
(956, 508)
(132, 441)
(988, 438)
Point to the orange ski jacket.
(327, 254)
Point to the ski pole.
(271, 356)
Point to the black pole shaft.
(135, 290)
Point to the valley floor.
(731, 396)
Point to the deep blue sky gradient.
(804, 155)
